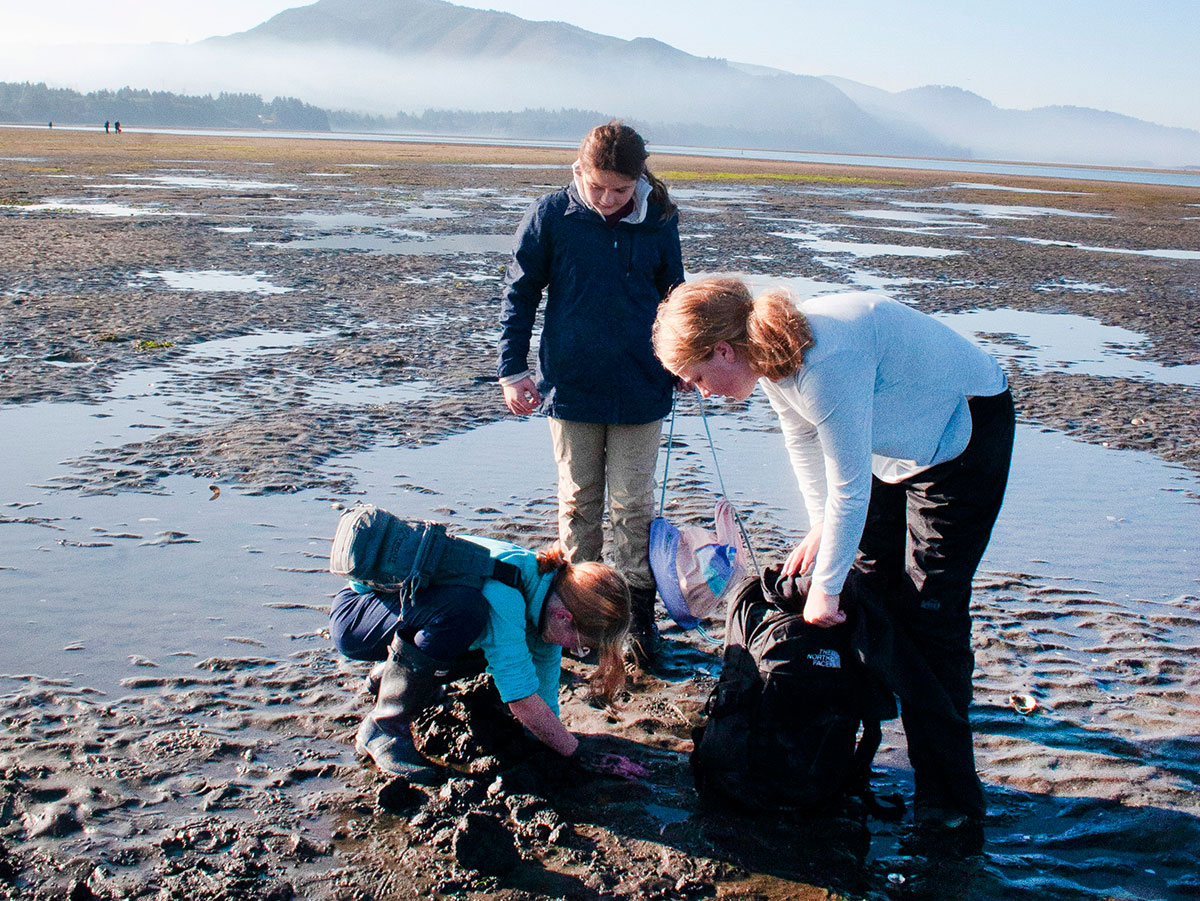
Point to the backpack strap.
(662, 501)
(508, 573)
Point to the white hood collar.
(641, 193)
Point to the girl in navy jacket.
(605, 250)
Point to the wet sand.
(209, 756)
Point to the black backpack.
(387, 553)
(783, 719)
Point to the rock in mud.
(483, 843)
(397, 796)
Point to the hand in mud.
(588, 757)
(612, 765)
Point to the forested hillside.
(28, 103)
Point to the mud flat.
(210, 344)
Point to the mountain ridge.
(519, 64)
(393, 58)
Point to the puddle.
(432, 212)
(999, 211)
(408, 245)
(233, 229)
(156, 396)
(172, 578)
(217, 280)
(803, 287)
(113, 210)
(1067, 343)
(350, 222)
(231, 351)
(187, 573)
(1165, 254)
(979, 186)
(210, 182)
(1143, 513)
(667, 816)
(1066, 284)
(860, 249)
(718, 195)
(375, 234)
(938, 219)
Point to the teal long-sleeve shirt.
(519, 661)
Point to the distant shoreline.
(1080, 172)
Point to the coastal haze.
(380, 58)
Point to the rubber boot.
(410, 680)
(643, 630)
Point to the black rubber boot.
(643, 630)
(410, 680)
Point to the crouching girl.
(521, 630)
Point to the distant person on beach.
(520, 631)
(605, 249)
(900, 433)
(106, 126)
(117, 126)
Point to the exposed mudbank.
(196, 377)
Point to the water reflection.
(1067, 343)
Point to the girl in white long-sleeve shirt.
(899, 431)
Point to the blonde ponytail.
(768, 332)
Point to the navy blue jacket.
(603, 287)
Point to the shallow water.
(202, 182)
(1161, 253)
(1000, 211)
(410, 243)
(98, 208)
(1145, 516)
(944, 220)
(983, 186)
(216, 280)
(1047, 170)
(1067, 343)
(862, 249)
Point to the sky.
(1136, 57)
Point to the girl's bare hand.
(522, 397)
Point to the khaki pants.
(590, 456)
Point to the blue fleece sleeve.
(505, 643)
(547, 661)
